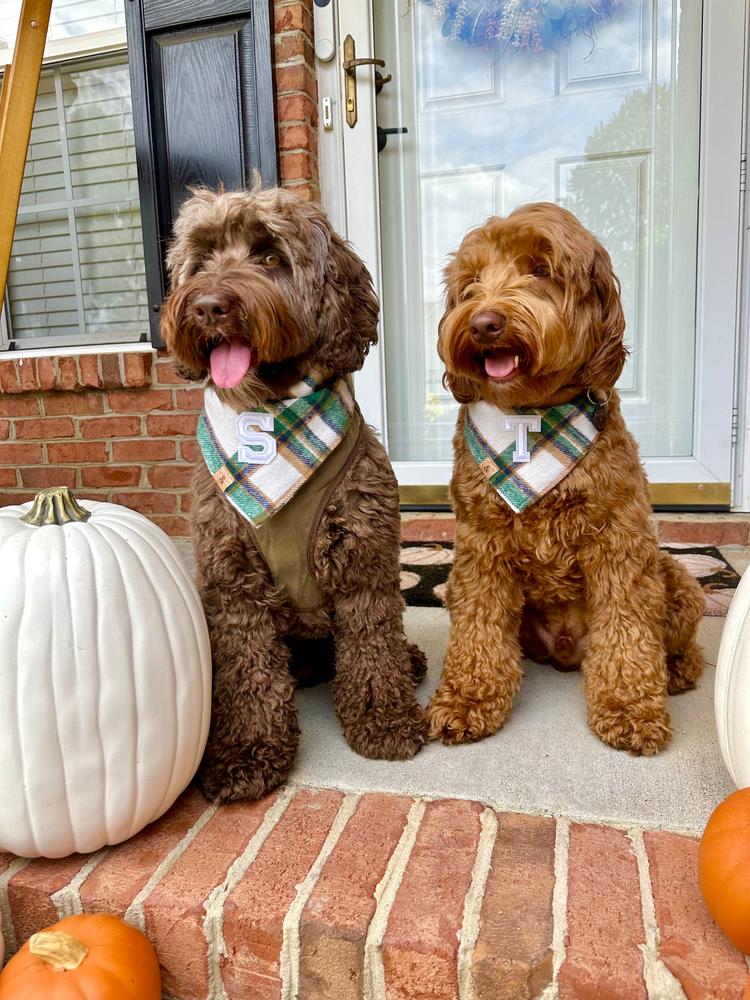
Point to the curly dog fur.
(291, 289)
(583, 561)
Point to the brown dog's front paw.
(244, 773)
(458, 720)
(395, 738)
(639, 733)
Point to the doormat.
(425, 567)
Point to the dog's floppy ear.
(190, 366)
(606, 363)
(349, 309)
(461, 388)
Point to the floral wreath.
(532, 25)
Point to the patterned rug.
(425, 567)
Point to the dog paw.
(245, 773)
(395, 738)
(639, 733)
(456, 720)
(684, 670)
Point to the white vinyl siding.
(76, 273)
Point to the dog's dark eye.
(271, 259)
(541, 271)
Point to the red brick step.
(324, 896)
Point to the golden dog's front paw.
(639, 732)
(454, 719)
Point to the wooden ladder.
(17, 100)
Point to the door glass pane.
(606, 123)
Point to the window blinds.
(76, 272)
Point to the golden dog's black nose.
(209, 309)
(485, 327)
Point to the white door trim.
(355, 209)
(741, 484)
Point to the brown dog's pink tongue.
(230, 363)
(500, 364)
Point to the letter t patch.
(522, 425)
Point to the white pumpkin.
(105, 675)
(732, 687)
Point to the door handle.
(349, 66)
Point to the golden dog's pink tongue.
(500, 364)
(230, 363)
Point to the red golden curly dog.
(263, 296)
(533, 320)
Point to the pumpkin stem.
(56, 505)
(60, 950)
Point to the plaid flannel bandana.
(261, 458)
(556, 440)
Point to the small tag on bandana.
(223, 478)
(556, 439)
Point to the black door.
(203, 109)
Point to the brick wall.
(296, 97)
(121, 427)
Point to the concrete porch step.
(321, 895)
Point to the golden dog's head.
(262, 293)
(533, 312)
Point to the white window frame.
(354, 210)
(58, 56)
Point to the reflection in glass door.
(607, 125)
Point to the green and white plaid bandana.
(526, 452)
(261, 458)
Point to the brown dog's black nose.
(209, 309)
(486, 327)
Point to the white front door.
(633, 123)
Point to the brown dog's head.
(263, 292)
(533, 312)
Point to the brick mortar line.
(385, 895)
(559, 906)
(67, 901)
(297, 60)
(290, 946)
(473, 904)
(660, 983)
(213, 923)
(134, 913)
(616, 824)
(6, 917)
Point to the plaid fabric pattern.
(306, 428)
(567, 433)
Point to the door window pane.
(607, 125)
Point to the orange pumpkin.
(724, 867)
(88, 957)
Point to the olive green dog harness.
(278, 466)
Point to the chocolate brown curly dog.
(551, 501)
(295, 513)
